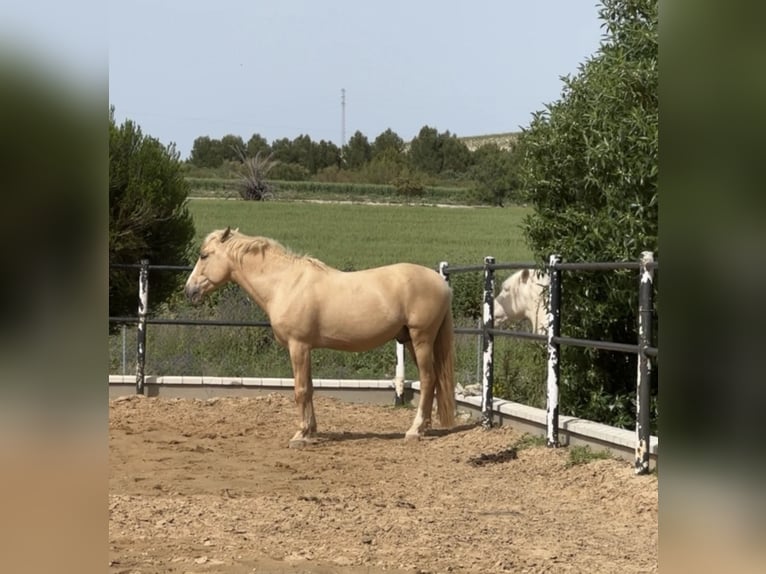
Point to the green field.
(357, 236)
(346, 236)
(229, 188)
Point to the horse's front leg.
(300, 357)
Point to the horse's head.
(506, 302)
(213, 268)
(522, 296)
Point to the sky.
(187, 68)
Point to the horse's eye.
(203, 255)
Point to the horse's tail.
(444, 370)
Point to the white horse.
(522, 296)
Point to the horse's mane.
(240, 245)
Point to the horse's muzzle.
(193, 294)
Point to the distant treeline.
(432, 159)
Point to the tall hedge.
(589, 166)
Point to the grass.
(229, 188)
(356, 236)
(584, 455)
(346, 236)
(529, 441)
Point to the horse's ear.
(525, 275)
(226, 234)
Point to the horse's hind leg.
(300, 357)
(423, 354)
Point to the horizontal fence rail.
(553, 338)
(197, 322)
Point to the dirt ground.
(199, 486)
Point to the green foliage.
(257, 144)
(385, 167)
(434, 159)
(588, 166)
(520, 371)
(409, 185)
(425, 151)
(357, 151)
(289, 171)
(467, 295)
(231, 147)
(206, 152)
(584, 455)
(326, 154)
(148, 216)
(495, 171)
(529, 441)
(318, 189)
(304, 156)
(456, 157)
(435, 153)
(389, 143)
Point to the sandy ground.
(211, 486)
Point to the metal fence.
(553, 339)
(487, 332)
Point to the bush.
(254, 186)
(467, 295)
(409, 186)
(589, 166)
(148, 217)
(289, 172)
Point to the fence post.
(124, 350)
(488, 342)
(643, 394)
(143, 300)
(444, 271)
(399, 377)
(554, 349)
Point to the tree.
(357, 151)
(589, 165)
(386, 143)
(456, 157)
(257, 143)
(495, 172)
(148, 217)
(327, 154)
(303, 152)
(435, 153)
(283, 150)
(386, 167)
(206, 152)
(425, 151)
(231, 147)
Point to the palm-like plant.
(254, 186)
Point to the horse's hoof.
(301, 442)
(412, 436)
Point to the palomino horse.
(522, 296)
(311, 305)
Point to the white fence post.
(399, 377)
(143, 302)
(554, 352)
(643, 390)
(488, 340)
